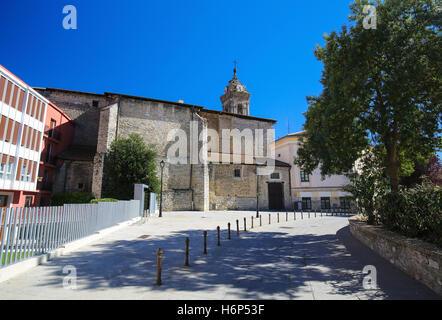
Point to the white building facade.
(311, 192)
(22, 116)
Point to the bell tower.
(236, 98)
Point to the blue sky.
(175, 50)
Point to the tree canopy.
(129, 161)
(381, 91)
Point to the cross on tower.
(234, 69)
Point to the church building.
(188, 185)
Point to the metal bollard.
(228, 234)
(294, 215)
(302, 215)
(286, 216)
(309, 214)
(186, 259)
(278, 216)
(245, 226)
(315, 213)
(237, 227)
(270, 219)
(260, 220)
(205, 242)
(219, 240)
(159, 265)
(251, 226)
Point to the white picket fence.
(26, 232)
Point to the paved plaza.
(310, 259)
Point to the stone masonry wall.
(185, 186)
(73, 176)
(153, 121)
(79, 107)
(419, 259)
(106, 134)
(239, 193)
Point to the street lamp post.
(161, 192)
(257, 193)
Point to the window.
(52, 128)
(2, 170)
(23, 136)
(306, 203)
(9, 129)
(275, 176)
(23, 173)
(80, 186)
(304, 177)
(240, 109)
(325, 203)
(9, 168)
(95, 103)
(237, 173)
(3, 201)
(48, 153)
(28, 201)
(345, 202)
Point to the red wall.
(64, 127)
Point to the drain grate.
(144, 236)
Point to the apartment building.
(23, 125)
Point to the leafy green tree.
(368, 187)
(381, 91)
(129, 161)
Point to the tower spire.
(234, 68)
(235, 99)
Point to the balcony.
(46, 158)
(52, 133)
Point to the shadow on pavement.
(255, 266)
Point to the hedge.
(59, 199)
(103, 200)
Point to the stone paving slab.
(314, 258)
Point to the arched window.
(240, 109)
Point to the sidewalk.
(314, 258)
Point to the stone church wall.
(185, 186)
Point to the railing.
(48, 159)
(53, 133)
(26, 232)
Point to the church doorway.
(276, 196)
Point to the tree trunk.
(393, 162)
